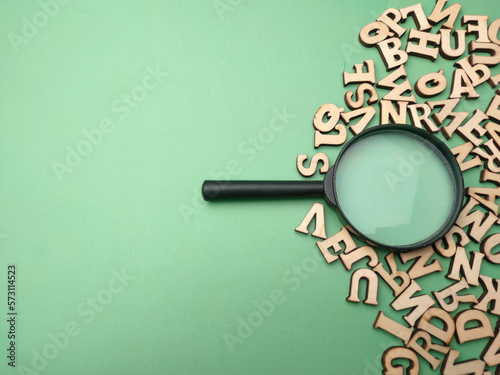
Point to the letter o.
(54, 350)
(252, 322)
(139, 93)
(413, 157)
(104, 300)
(309, 264)
(268, 138)
(84, 148)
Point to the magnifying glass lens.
(395, 188)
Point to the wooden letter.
(472, 129)
(491, 48)
(490, 296)
(478, 73)
(419, 304)
(485, 196)
(391, 53)
(482, 330)
(360, 94)
(397, 90)
(487, 246)
(479, 221)
(491, 354)
(446, 112)
(424, 40)
(371, 286)
(460, 264)
(421, 266)
(391, 17)
(493, 110)
(317, 211)
(438, 14)
(354, 256)
(462, 152)
(390, 278)
(492, 157)
(445, 48)
(334, 242)
(389, 114)
(428, 345)
(450, 247)
(449, 299)
(397, 352)
(393, 327)
(311, 170)
(461, 85)
(373, 33)
(477, 25)
(332, 113)
(451, 366)
(493, 31)
(359, 76)
(431, 84)
(418, 119)
(418, 15)
(444, 334)
(366, 112)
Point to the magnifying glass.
(394, 186)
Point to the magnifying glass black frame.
(216, 190)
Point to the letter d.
(405, 169)
(28, 29)
(60, 339)
(243, 330)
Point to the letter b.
(266, 307)
(60, 339)
(50, 7)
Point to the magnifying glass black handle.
(214, 190)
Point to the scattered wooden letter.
(393, 327)
(449, 299)
(397, 352)
(450, 244)
(390, 278)
(478, 222)
(445, 48)
(444, 334)
(487, 246)
(418, 305)
(423, 349)
(452, 367)
(424, 40)
(359, 76)
(313, 165)
(463, 151)
(438, 14)
(460, 264)
(334, 242)
(431, 84)
(482, 330)
(317, 211)
(371, 286)
(356, 255)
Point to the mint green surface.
(112, 113)
(394, 188)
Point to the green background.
(225, 71)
